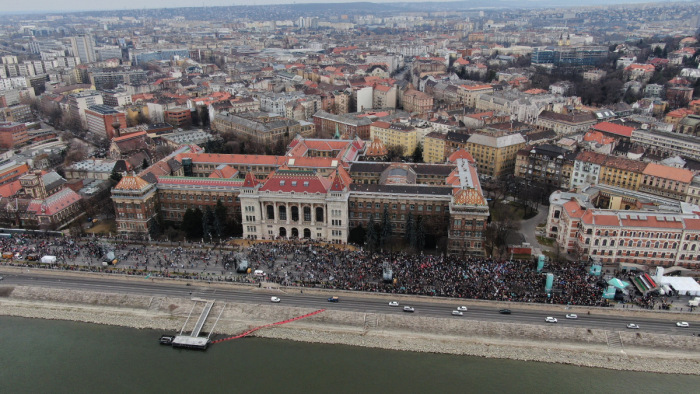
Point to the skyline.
(69, 6)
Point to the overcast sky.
(10, 6)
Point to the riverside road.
(368, 303)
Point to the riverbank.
(632, 351)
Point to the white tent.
(683, 284)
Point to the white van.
(259, 273)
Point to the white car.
(462, 308)
(550, 319)
(572, 316)
(457, 313)
(408, 309)
(275, 299)
(633, 326)
(682, 324)
(394, 303)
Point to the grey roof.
(497, 142)
(403, 189)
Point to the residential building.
(542, 164)
(434, 147)
(663, 142)
(102, 119)
(666, 181)
(345, 126)
(178, 117)
(566, 123)
(495, 155)
(83, 47)
(79, 102)
(262, 127)
(13, 134)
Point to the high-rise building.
(83, 47)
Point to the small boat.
(166, 339)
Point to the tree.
(385, 238)
(192, 223)
(204, 116)
(195, 118)
(395, 152)
(357, 235)
(115, 176)
(410, 235)
(418, 153)
(420, 234)
(371, 237)
(207, 222)
(220, 216)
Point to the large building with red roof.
(311, 192)
(615, 226)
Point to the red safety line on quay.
(269, 325)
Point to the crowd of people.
(308, 264)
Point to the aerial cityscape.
(501, 180)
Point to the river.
(69, 357)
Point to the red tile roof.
(287, 181)
(614, 128)
(675, 174)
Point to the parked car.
(457, 313)
(633, 326)
(393, 303)
(408, 309)
(572, 316)
(275, 299)
(682, 324)
(504, 311)
(550, 319)
(334, 299)
(462, 308)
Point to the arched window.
(656, 245)
(648, 244)
(639, 244)
(295, 213)
(319, 214)
(596, 243)
(665, 245)
(605, 242)
(270, 212)
(307, 215)
(692, 247)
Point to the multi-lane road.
(360, 303)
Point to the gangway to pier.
(202, 318)
(194, 341)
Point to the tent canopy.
(620, 284)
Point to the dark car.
(504, 311)
(333, 299)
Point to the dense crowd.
(305, 264)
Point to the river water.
(41, 356)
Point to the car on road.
(504, 311)
(393, 303)
(633, 326)
(334, 299)
(275, 299)
(457, 313)
(408, 309)
(682, 324)
(462, 308)
(550, 319)
(1, 278)
(572, 316)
